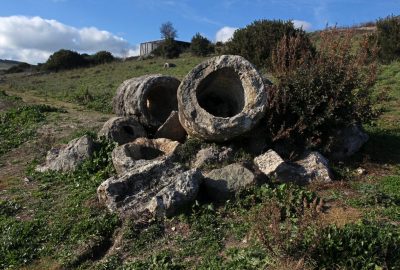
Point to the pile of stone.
(219, 101)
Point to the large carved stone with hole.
(151, 98)
(122, 130)
(221, 98)
(143, 152)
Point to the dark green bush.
(319, 93)
(102, 57)
(169, 49)
(65, 59)
(388, 35)
(200, 46)
(256, 41)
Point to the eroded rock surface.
(348, 141)
(269, 162)
(68, 157)
(316, 167)
(222, 184)
(221, 98)
(172, 129)
(213, 154)
(122, 130)
(143, 152)
(163, 190)
(151, 98)
(312, 167)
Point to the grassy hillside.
(53, 220)
(94, 87)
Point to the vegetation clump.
(65, 222)
(388, 35)
(322, 92)
(200, 46)
(18, 125)
(256, 41)
(67, 59)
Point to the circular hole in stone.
(221, 93)
(150, 153)
(128, 130)
(161, 101)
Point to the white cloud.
(225, 33)
(302, 24)
(34, 39)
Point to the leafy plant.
(200, 45)
(388, 35)
(66, 223)
(317, 94)
(357, 246)
(256, 41)
(65, 59)
(19, 124)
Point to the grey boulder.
(162, 190)
(68, 157)
(211, 155)
(222, 184)
(313, 167)
(172, 129)
(347, 142)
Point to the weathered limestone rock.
(212, 155)
(222, 184)
(179, 194)
(122, 130)
(269, 162)
(312, 167)
(221, 98)
(347, 142)
(67, 158)
(143, 152)
(163, 190)
(151, 98)
(316, 167)
(172, 129)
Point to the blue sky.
(32, 29)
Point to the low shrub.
(388, 35)
(256, 41)
(200, 46)
(19, 124)
(169, 49)
(102, 57)
(65, 59)
(357, 246)
(319, 93)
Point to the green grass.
(95, 87)
(19, 124)
(59, 218)
(56, 217)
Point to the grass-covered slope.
(53, 220)
(94, 87)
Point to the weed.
(66, 223)
(357, 246)
(19, 124)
